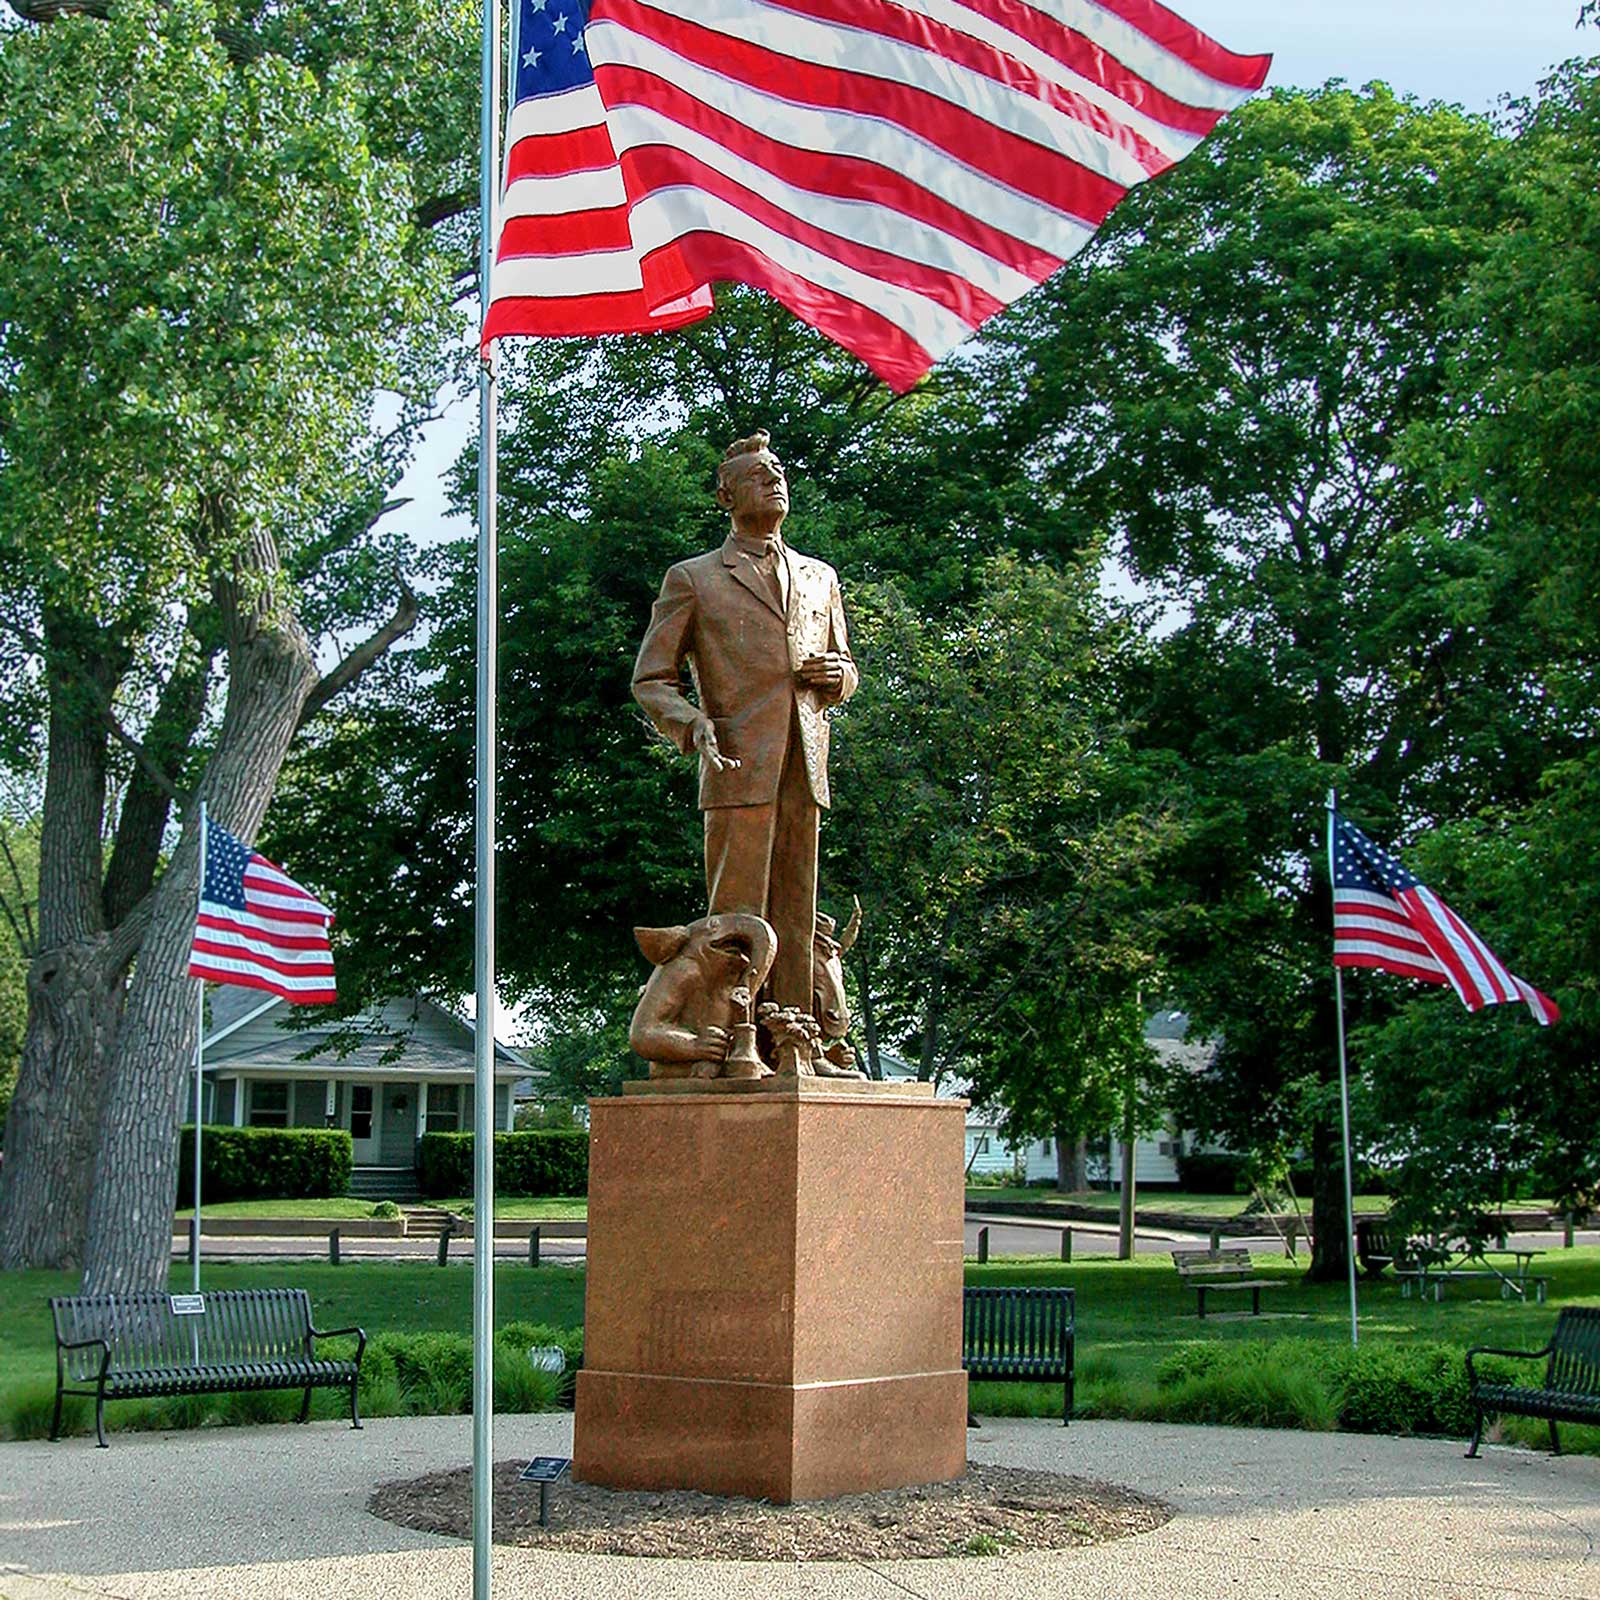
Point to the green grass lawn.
(1132, 1318)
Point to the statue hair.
(759, 440)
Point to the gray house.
(268, 1064)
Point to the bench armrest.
(1515, 1355)
(343, 1333)
(81, 1344)
(64, 1345)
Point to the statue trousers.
(764, 859)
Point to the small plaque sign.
(547, 1358)
(545, 1469)
(187, 1305)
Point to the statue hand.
(705, 741)
(713, 1042)
(824, 672)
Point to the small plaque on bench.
(187, 1305)
(545, 1469)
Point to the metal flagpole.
(199, 1062)
(484, 822)
(1344, 1103)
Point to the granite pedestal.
(774, 1289)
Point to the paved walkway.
(277, 1513)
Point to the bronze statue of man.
(762, 629)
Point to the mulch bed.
(990, 1511)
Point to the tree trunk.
(934, 1019)
(1330, 1248)
(1072, 1162)
(75, 975)
(129, 1242)
(73, 997)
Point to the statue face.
(754, 487)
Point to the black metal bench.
(1377, 1247)
(137, 1346)
(1217, 1271)
(1571, 1389)
(1021, 1336)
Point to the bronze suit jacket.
(715, 612)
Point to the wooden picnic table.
(1467, 1265)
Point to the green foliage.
(1214, 1172)
(552, 1162)
(210, 273)
(1419, 1387)
(387, 1210)
(547, 1117)
(264, 1163)
(430, 1374)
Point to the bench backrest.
(1014, 1330)
(238, 1327)
(1231, 1261)
(1575, 1352)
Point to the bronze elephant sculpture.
(695, 1017)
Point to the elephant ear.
(661, 945)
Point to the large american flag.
(258, 928)
(894, 171)
(1383, 916)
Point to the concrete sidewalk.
(278, 1513)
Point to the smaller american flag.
(258, 928)
(1383, 916)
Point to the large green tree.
(215, 259)
(1482, 1096)
(1249, 346)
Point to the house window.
(269, 1105)
(444, 1108)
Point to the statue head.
(752, 487)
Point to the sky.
(1469, 52)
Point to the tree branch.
(148, 764)
(22, 930)
(359, 659)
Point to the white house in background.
(1155, 1153)
(268, 1064)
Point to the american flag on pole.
(257, 927)
(894, 171)
(1383, 916)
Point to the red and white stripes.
(895, 171)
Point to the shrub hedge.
(542, 1161)
(265, 1163)
(1416, 1388)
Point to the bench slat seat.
(137, 1346)
(1571, 1388)
(1020, 1335)
(1219, 1271)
